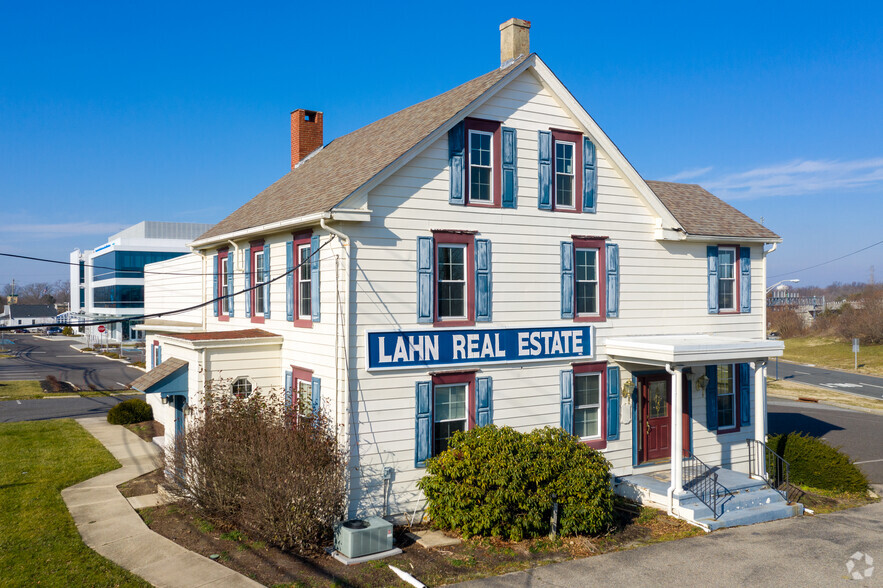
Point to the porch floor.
(658, 482)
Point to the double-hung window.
(260, 276)
(302, 266)
(481, 181)
(586, 282)
(567, 162)
(304, 283)
(726, 279)
(449, 414)
(583, 274)
(452, 281)
(587, 405)
(726, 397)
(224, 283)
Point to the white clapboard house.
(487, 256)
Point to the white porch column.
(677, 434)
(760, 421)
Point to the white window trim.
(242, 378)
(573, 195)
(304, 261)
(259, 277)
(577, 407)
(466, 407)
(720, 279)
(465, 282)
(490, 166)
(732, 393)
(597, 282)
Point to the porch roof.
(168, 378)
(690, 349)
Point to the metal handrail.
(701, 481)
(770, 466)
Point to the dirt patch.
(142, 485)
(147, 430)
(52, 385)
(474, 558)
(822, 501)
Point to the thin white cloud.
(688, 174)
(799, 177)
(61, 230)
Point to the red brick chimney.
(306, 134)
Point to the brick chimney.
(514, 39)
(306, 134)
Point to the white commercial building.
(489, 256)
(107, 282)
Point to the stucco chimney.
(306, 134)
(514, 39)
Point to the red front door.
(656, 411)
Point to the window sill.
(223, 317)
(728, 431)
(481, 204)
(304, 323)
(257, 319)
(589, 319)
(599, 444)
(454, 323)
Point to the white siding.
(172, 285)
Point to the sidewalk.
(110, 526)
(803, 551)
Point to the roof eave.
(726, 239)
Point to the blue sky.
(113, 113)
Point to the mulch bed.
(51, 385)
(474, 558)
(142, 485)
(147, 430)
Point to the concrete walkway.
(804, 551)
(110, 526)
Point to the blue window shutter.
(152, 356)
(544, 149)
(745, 279)
(316, 394)
(510, 169)
(590, 176)
(457, 160)
(483, 291)
(711, 397)
(288, 382)
(216, 265)
(745, 392)
(484, 401)
(158, 354)
(231, 261)
(289, 281)
(712, 279)
(612, 402)
(567, 400)
(423, 424)
(267, 280)
(314, 277)
(248, 282)
(567, 279)
(612, 280)
(425, 283)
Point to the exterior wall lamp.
(701, 383)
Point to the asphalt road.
(858, 434)
(826, 378)
(58, 408)
(34, 358)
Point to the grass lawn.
(28, 389)
(796, 391)
(40, 544)
(833, 353)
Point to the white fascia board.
(691, 352)
(602, 141)
(729, 239)
(441, 131)
(228, 343)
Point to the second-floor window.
(304, 283)
(481, 167)
(451, 281)
(224, 282)
(564, 174)
(586, 279)
(726, 278)
(260, 276)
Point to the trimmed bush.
(129, 412)
(816, 464)
(495, 481)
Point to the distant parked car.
(53, 331)
(21, 330)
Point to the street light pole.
(793, 280)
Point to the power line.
(141, 271)
(825, 262)
(180, 310)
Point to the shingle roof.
(223, 335)
(341, 167)
(704, 214)
(158, 374)
(32, 311)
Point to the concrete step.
(757, 514)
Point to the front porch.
(712, 388)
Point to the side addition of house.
(489, 256)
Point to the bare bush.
(863, 318)
(786, 321)
(263, 468)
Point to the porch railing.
(701, 481)
(770, 466)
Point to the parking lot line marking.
(867, 461)
(874, 385)
(81, 355)
(19, 401)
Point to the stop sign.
(101, 328)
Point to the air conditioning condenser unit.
(361, 537)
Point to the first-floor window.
(242, 388)
(449, 414)
(587, 405)
(726, 396)
(304, 284)
(304, 395)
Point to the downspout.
(763, 273)
(204, 309)
(235, 256)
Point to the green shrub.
(815, 463)
(129, 412)
(67, 332)
(497, 481)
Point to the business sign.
(455, 347)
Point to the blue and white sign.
(455, 347)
